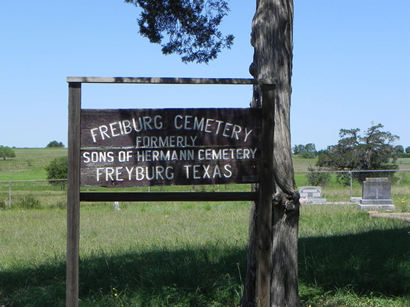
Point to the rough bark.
(272, 36)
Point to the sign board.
(141, 147)
(129, 147)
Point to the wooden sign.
(140, 147)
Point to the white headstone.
(117, 206)
(312, 195)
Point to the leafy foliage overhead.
(191, 27)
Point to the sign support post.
(263, 225)
(73, 194)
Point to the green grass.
(404, 163)
(190, 254)
(29, 163)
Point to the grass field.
(29, 163)
(189, 254)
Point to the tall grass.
(190, 254)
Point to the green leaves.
(372, 150)
(6, 152)
(185, 27)
(57, 169)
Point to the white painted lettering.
(206, 171)
(227, 127)
(199, 124)
(219, 125)
(178, 123)
(247, 133)
(187, 122)
(93, 135)
(99, 169)
(187, 171)
(227, 171)
(126, 124)
(235, 132)
(86, 157)
(113, 129)
(208, 125)
(103, 132)
(158, 122)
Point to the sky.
(351, 66)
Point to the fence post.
(351, 184)
(9, 194)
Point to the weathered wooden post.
(73, 194)
(263, 227)
(9, 194)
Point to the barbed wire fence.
(372, 173)
(43, 191)
(52, 193)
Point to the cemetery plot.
(137, 147)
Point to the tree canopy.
(372, 150)
(306, 151)
(185, 27)
(6, 152)
(55, 144)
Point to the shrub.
(343, 178)
(317, 177)
(28, 202)
(57, 169)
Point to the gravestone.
(116, 206)
(376, 195)
(312, 194)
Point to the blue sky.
(351, 66)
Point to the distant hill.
(29, 163)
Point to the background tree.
(307, 151)
(399, 149)
(191, 27)
(6, 152)
(54, 143)
(371, 151)
(297, 149)
(57, 169)
(317, 176)
(185, 27)
(408, 150)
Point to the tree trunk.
(272, 31)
